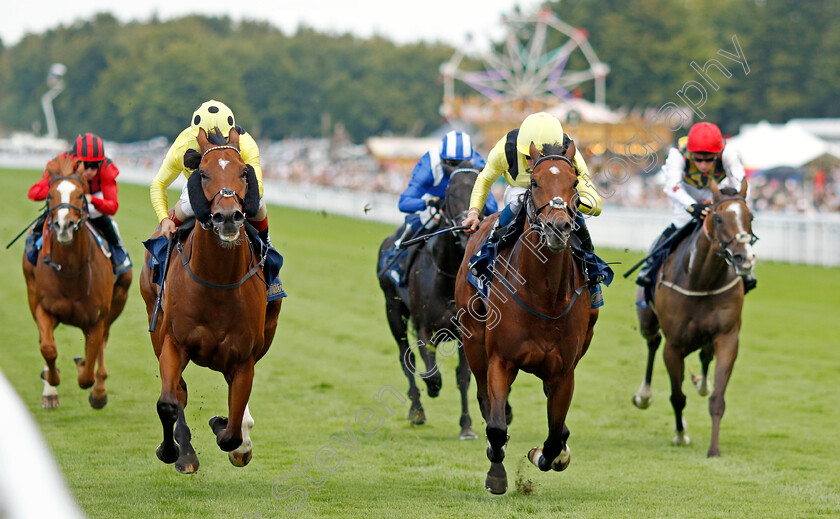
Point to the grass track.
(779, 436)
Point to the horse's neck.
(446, 252)
(701, 266)
(212, 262)
(550, 275)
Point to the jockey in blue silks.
(427, 188)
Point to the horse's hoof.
(468, 434)
(49, 402)
(697, 380)
(561, 462)
(535, 456)
(187, 464)
(496, 481)
(237, 459)
(714, 452)
(433, 387)
(681, 439)
(97, 403)
(168, 455)
(416, 416)
(218, 424)
(642, 402)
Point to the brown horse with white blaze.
(214, 305)
(537, 316)
(73, 283)
(698, 298)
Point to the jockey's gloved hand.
(436, 202)
(192, 159)
(699, 210)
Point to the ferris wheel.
(525, 69)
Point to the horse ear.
(743, 192)
(203, 143)
(534, 153)
(571, 150)
(713, 185)
(251, 203)
(233, 137)
(199, 203)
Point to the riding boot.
(502, 226)
(652, 264)
(119, 256)
(408, 232)
(265, 238)
(589, 260)
(750, 282)
(31, 246)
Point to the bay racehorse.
(214, 310)
(536, 316)
(430, 306)
(698, 296)
(73, 283)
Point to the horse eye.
(202, 175)
(718, 219)
(534, 183)
(576, 183)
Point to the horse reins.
(76, 227)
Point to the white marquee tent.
(763, 146)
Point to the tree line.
(139, 80)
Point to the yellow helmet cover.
(541, 129)
(213, 114)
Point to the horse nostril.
(238, 217)
(739, 259)
(218, 219)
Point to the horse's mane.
(557, 148)
(216, 138)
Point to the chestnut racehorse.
(73, 283)
(214, 304)
(537, 317)
(697, 304)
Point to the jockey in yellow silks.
(509, 158)
(183, 158)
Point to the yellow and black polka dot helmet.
(212, 114)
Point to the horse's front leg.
(99, 396)
(462, 375)
(675, 363)
(228, 431)
(649, 327)
(726, 350)
(93, 346)
(555, 453)
(499, 378)
(172, 365)
(701, 382)
(432, 376)
(187, 459)
(46, 326)
(243, 454)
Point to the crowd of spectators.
(340, 164)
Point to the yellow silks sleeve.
(589, 200)
(496, 166)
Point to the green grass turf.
(333, 351)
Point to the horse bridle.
(532, 212)
(224, 192)
(83, 210)
(723, 246)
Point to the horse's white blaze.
(66, 188)
(223, 163)
(554, 170)
(742, 236)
